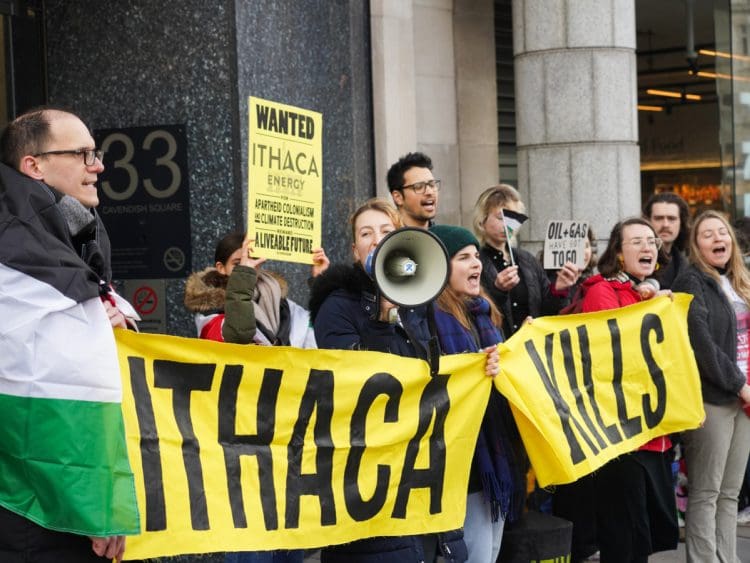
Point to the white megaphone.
(410, 266)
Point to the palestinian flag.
(512, 221)
(63, 459)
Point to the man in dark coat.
(66, 247)
(670, 216)
(414, 189)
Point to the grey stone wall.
(314, 54)
(136, 63)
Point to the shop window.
(681, 120)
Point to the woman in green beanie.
(466, 320)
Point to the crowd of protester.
(624, 511)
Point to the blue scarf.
(500, 467)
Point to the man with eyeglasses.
(669, 214)
(415, 192)
(55, 276)
(414, 189)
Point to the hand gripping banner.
(254, 448)
(239, 448)
(587, 388)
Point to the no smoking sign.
(147, 298)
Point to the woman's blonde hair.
(456, 305)
(737, 273)
(490, 199)
(375, 204)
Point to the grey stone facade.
(129, 63)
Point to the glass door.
(23, 73)
(732, 62)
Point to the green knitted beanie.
(454, 238)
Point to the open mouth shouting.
(714, 242)
(474, 282)
(720, 253)
(466, 270)
(429, 205)
(646, 263)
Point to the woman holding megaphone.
(466, 320)
(348, 312)
(347, 309)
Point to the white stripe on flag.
(53, 347)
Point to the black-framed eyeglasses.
(420, 187)
(90, 156)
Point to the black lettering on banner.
(611, 431)
(153, 479)
(435, 400)
(318, 396)
(570, 369)
(652, 323)
(378, 384)
(259, 445)
(561, 407)
(183, 379)
(630, 426)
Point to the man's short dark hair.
(396, 172)
(671, 197)
(27, 134)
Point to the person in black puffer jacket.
(348, 313)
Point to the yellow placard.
(285, 192)
(240, 448)
(587, 388)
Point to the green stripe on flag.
(64, 465)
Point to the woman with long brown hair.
(717, 452)
(466, 320)
(348, 312)
(633, 502)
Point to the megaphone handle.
(434, 344)
(434, 360)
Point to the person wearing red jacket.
(635, 508)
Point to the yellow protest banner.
(285, 192)
(587, 388)
(255, 448)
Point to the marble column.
(476, 100)
(576, 111)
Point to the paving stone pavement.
(676, 556)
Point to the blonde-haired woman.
(349, 313)
(716, 453)
(512, 277)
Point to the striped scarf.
(500, 467)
